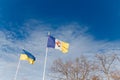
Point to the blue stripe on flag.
(51, 42)
(28, 54)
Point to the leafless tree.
(105, 63)
(85, 66)
(62, 69)
(73, 70)
(115, 75)
(95, 77)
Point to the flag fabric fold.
(25, 55)
(57, 44)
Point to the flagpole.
(17, 69)
(45, 61)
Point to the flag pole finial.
(48, 33)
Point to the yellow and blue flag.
(27, 56)
(57, 44)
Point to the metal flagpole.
(17, 69)
(45, 61)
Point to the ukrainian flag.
(27, 56)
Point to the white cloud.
(80, 43)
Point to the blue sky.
(102, 17)
(90, 26)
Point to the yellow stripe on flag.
(64, 47)
(25, 57)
